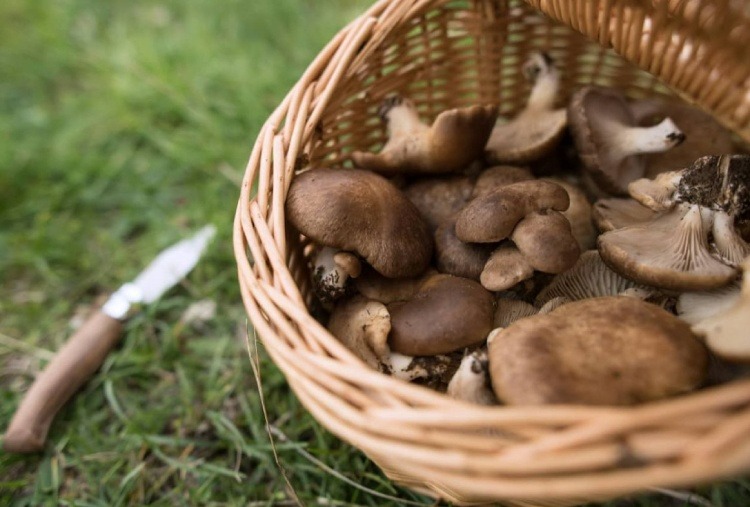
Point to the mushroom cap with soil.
(454, 140)
(537, 129)
(608, 140)
(575, 355)
(446, 314)
(361, 212)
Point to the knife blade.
(84, 352)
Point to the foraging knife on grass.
(85, 351)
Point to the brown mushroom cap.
(437, 199)
(670, 252)
(578, 214)
(454, 257)
(377, 287)
(499, 176)
(448, 313)
(576, 355)
(546, 241)
(455, 139)
(505, 268)
(359, 211)
(491, 217)
(616, 213)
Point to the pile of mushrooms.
(451, 257)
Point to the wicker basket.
(454, 53)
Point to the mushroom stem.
(730, 246)
(546, 86)
(329, 277)
(627, 141)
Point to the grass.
(124, 126)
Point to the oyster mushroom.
(505, 268)
(362, 325)
(510, 310)
(726, 332)
(437, 199)
(454, 140)
(588, 278)
(454, 257)
(362, 213)
(538, 128)
(694, 307)
(373, 285)
(471, 381)
(703, 134)
(332, 270)
(672, 251)
(490, 218)
(499, 176)
(609, 141)
(446, 314)
(546, 241)
(575, 355)
(579, 214)
(616, 213)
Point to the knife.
(85, 351)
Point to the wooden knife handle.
(72, 366)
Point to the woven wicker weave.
(446, 54)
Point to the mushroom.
(578, 214)
(498, 176)
(616, 213)
(362, 325)
(332, 269)
(455, 139)
(510, 310)
(437, 199)
(491, 217)
(546, 241)
(447, 313)
(363, 213)
(373, 285)
(694, 307)
(703, 134)
(672, 251)
(588, 278)
(454, 257)
(538, 128)
(505, 268)
(608, 140)
(726, 332)
(471, 382)
(656, 194)
(575, 355)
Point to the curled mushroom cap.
(578, 214)
(608, 140)
(656, 194)
(455, 139)
(505, 268)
(546, 241)
(491, 217)
(538, 128)
(361, 212)
(576, 355)
(448, 313)
(670, 252)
